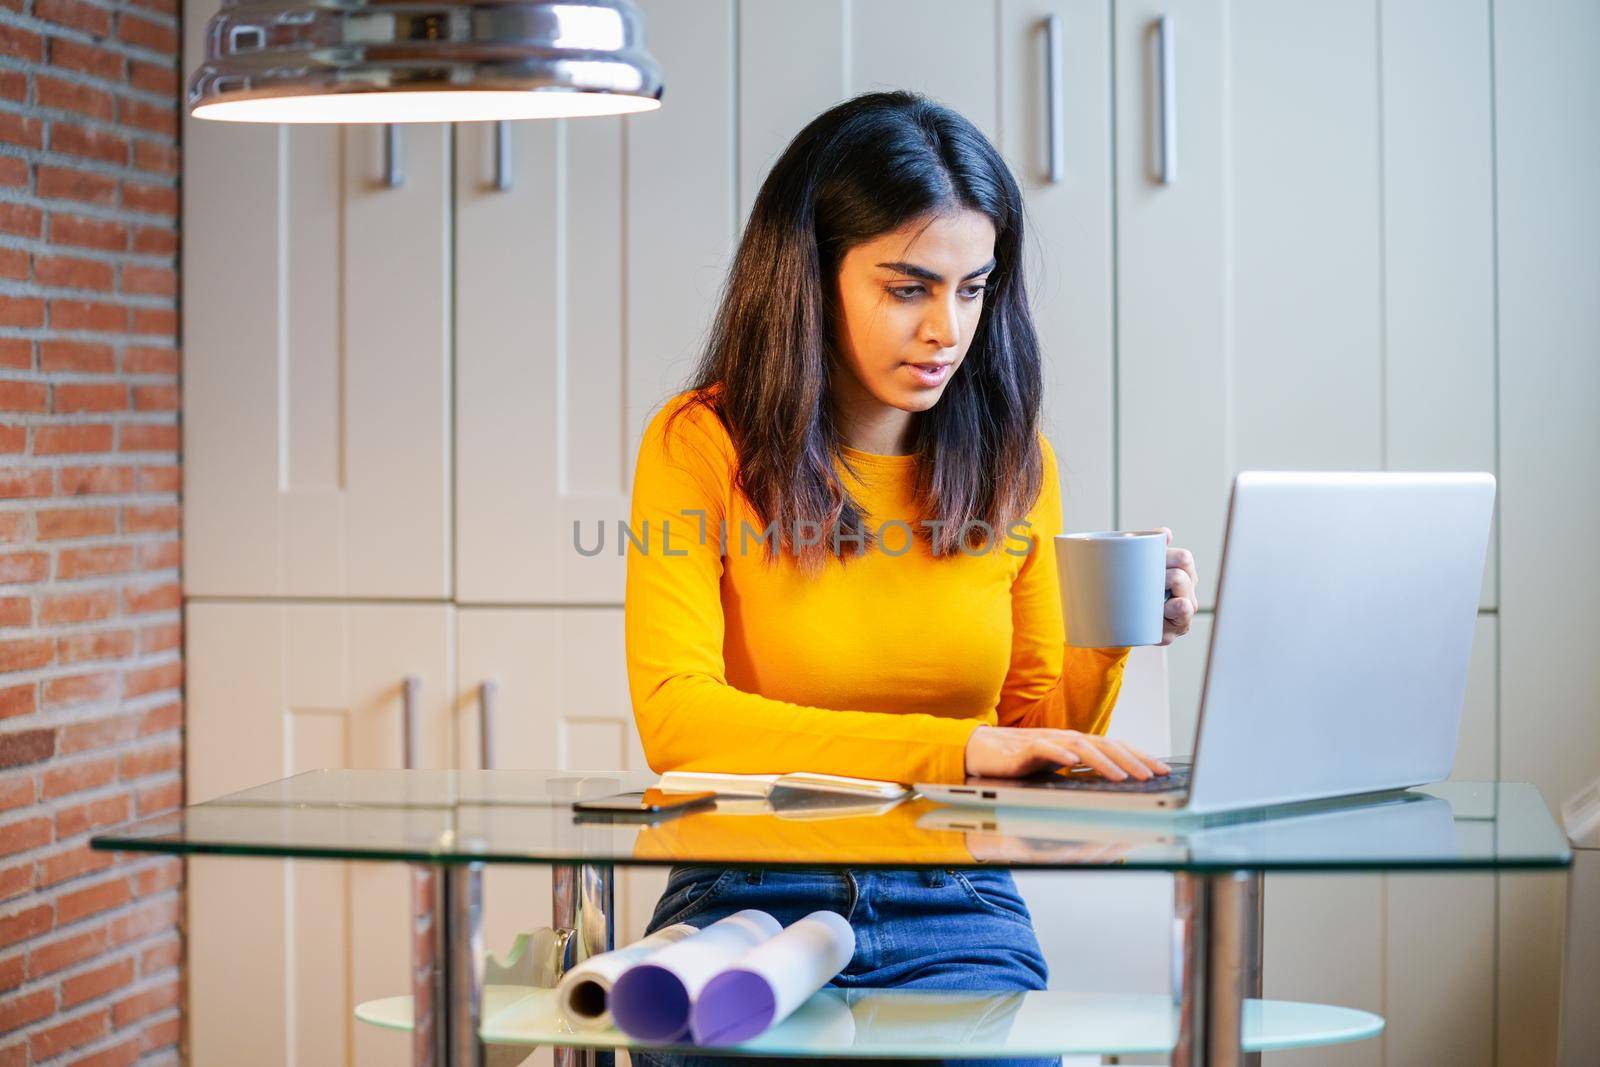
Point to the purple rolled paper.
(742, 1005)
(652, 1000)
(771, 980)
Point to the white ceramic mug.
(1113, 587)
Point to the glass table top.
(525, 816)
(842, 1024)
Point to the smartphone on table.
(647, 802)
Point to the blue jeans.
(915, 929)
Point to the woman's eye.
(971, 292)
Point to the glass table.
(450, 824)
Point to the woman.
(843, 557)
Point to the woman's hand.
(1184, 602)
(1017, 751)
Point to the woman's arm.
(1050, 683)
(689, 717)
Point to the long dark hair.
(858, 170)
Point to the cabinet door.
(560, 700)
(540, 359)
(1547, 114)
(316, 360)
(796, 61)
(1069, 267)
(1311, 287)
(281, 951)
(584, 293)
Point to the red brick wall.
(90, 651)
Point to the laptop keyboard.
(1091, 781)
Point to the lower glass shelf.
(842, 1024)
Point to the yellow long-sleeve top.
(880, 667)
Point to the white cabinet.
(316, 345)
(281, 951)
(1069, 231)
(316, 383)
(276, 689)
(583, 295)
(540, 360)
(1312, 285)
(1548, 151)
(681, 202)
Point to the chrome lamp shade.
(333, 61)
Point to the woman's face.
(908, 304)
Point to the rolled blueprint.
(584, 994)
(772, 979)
(651, 1000)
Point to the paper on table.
(584, 994)
(651, 1000)
(726, 784)
(772, 979)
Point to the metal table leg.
(447, 964)
(1252, 978)
(583, 896)
(1216, 947)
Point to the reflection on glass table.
(849, 1023)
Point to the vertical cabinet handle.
(502, 155)
(488, 692)
(394, 173)
(410, 692)
(1167, 74)
(1054, 78)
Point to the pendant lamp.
(392, 61)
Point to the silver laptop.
(1346, 605)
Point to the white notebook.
(761, 785)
